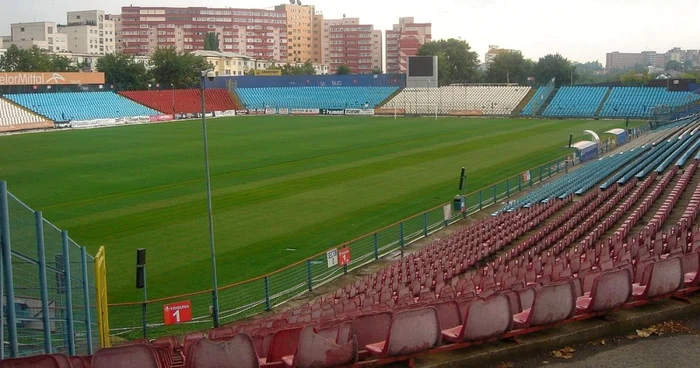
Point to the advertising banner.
(466, 113)
(305, 111)
(270, 111)
(332, 112)
(284, 111)
(160, 118)
(28, 78)
(226, 113)
(385, 111)
(242, 112)
(359, 111)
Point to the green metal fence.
(48, 289)
(266, 292)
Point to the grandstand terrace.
(541, 261)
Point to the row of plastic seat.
(186, 101)
(68, 106)
(641, 101)
(576, 101)
(314, 97)
(489, 100)
(11, 114)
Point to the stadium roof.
(584, 144)
(616, 131)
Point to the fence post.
(7, 270)
(41, 254)
(401, 235)
(425, 224)
(308, 275)
(530, 178)
(480, 204)
(267, 294)
(69, 293)
(376, 246)
(520, 183)
(86, 296)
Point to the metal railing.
(47, 282)
(264, 293)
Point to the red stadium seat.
(237, 352)
(316, 351)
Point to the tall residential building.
(117, 19)
(493, 52)
(89, 32)
(300, 35)
(404, 40)
(347, 42)
(256, 33)
(45, 35)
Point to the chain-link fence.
(254, 296)
(48, 289)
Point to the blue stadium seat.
(527, 110)
(81, 105)
(576, 102)
(314, 97)
(639, 102)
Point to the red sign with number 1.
(177, 312)
(343, 256)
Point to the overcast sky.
(580, 30)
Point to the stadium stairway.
(546, 103)
(519, 108)
(602, 103)
(391, 96)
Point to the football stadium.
(339, 220)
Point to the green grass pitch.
(306, 183)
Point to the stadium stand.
(576, 102)
(183, 100)
(640, 101)
(69, 106)
(314, 97)
(553, 261)
(539, 96)
(480, 100)
(13, 117)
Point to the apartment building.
(300, 32)
(45, 35)
(89, 32)
(348, 42)
(404, 40)
(252, 32)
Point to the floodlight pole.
(215, 287)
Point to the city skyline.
(617, 25)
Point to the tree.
(123, 71)
(171, 67)
(62, 64)
(211, 41)
(342, 69)
(509, 67)
(674, 65)
(634, 79)
(456, 61)
(555, 66)
(305, 69)
(377, 71)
